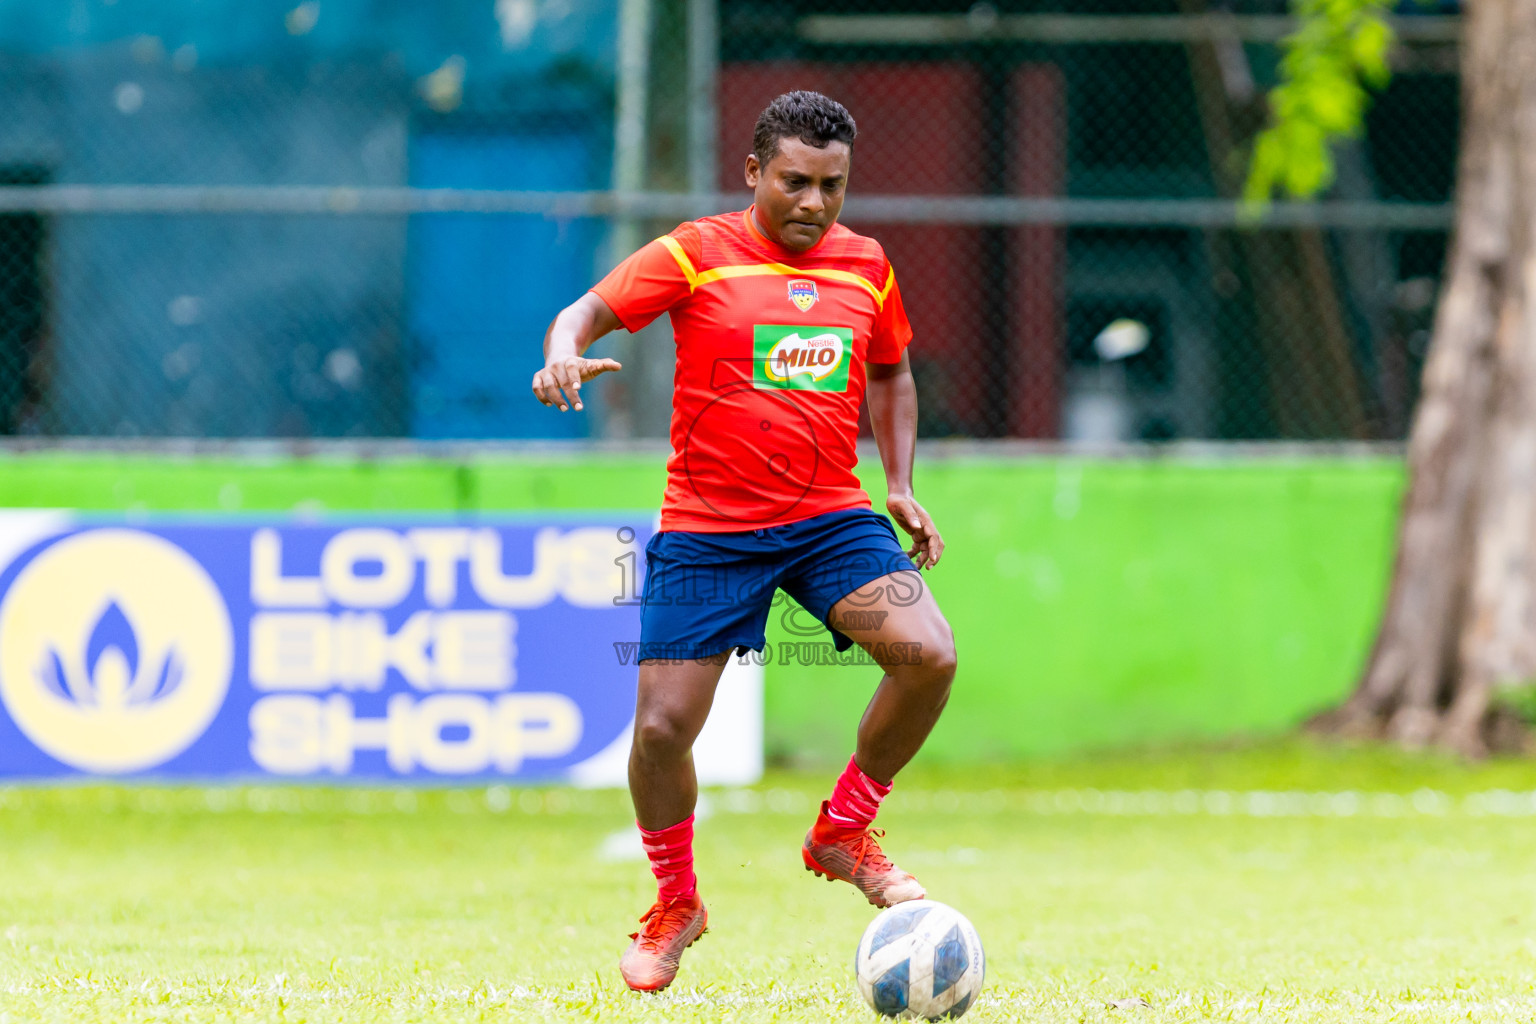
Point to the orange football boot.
(850, 854)
(650, 963)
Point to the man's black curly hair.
(814, 119)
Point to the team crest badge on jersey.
(803, 294)
(793, 358)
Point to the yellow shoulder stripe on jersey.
(683, 262)
(760, 269)
(890, 282)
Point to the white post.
(633, 87)
(703, 84)
(629, 118)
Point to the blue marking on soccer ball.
(890, 992)
(950, 961)
(897, 925)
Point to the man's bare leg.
(670, 709)
(897, 621)
(673, 702)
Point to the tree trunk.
(1460, 620)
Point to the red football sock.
(671, 854)
(856, 797)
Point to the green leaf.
(1338, 52)
(1334, 105)
(1369, 47)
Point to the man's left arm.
(892, 396)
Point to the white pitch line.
(558, 802)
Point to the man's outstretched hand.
(927, 545)
(559, 383)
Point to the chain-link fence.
(355, 218)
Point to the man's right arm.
(641, 288)
(570, 333)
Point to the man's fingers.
(927, 548)
(550, 387)
(567, 382)
(570, 381)
(559, 384)
(919, 555)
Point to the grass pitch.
(1280, 883)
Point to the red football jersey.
(771, 347)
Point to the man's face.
(800, 193)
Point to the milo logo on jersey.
(801, 358)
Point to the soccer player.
(785, 321)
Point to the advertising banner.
(428, 651)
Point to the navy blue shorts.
(706, 593)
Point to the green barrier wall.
(1095, 603)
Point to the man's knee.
(934, 664)
(660, 736)
(945, 660)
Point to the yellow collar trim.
(762, 269)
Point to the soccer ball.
(920, 959)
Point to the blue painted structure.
(497, 38)
(483, 289)
(156, 321)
